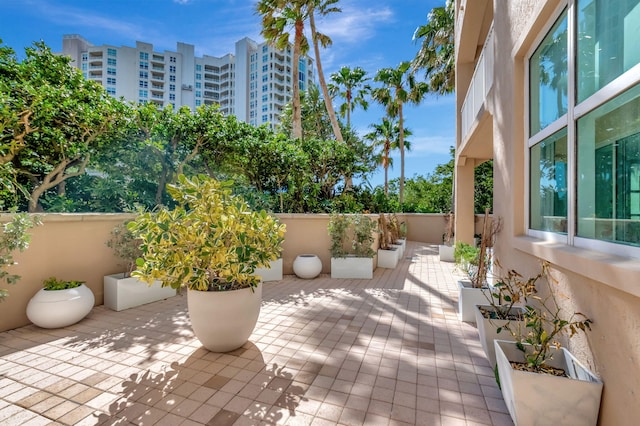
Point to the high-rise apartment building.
(254, 84)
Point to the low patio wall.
(72, 246)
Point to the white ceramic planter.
(468, 298)
(307, 266)
(274, 273)
(224, 320)
(487, 329)
(388, 258)
(399, 248)
(60, 308)
(124, 293)
(544, 399)
(403, 246)
(352, 267)
(446, 253)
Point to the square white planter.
(488, 329)
(271, 274)
(400, 249)
(388, 258)
(544, 399)
(124, 293)
(468, 298)
(403, 246)
(352, 267)
(446, 253)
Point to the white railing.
(481, 83)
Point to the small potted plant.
(210, 243)
(388, 254)
(351, 240)
(60, 303)
(541, 381)
(445, 250)
(121, 290)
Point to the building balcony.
(157, 68)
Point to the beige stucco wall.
(605, 288)
(72, 246)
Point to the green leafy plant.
(351, 235)
(14, 238)
(52, 284)
(466, 257)
(125, 246)
(211, 240)
(544, 321)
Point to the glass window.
(198, 76)
(144, 56)
(198, 85)
(111, 71)
(607, 42)
(198, 93)
(144, 65)
(198, 102)
(172, 97)
(609, 171)
(111, 80)
(112, 52)
(172, 68)
(172, 87)
(172, 78)
(142, 93)
(548, 74)
(198, 67)
(112, 61)
(548, 184)
(111, 91)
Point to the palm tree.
(399, 87)
(324, 7)
(387, 135)
(437, 53)
(277, 17)
(355, 89)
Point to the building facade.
(550, 91)
(253, 83)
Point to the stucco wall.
(605, 288)
(72, 246)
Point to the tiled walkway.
(384, 351)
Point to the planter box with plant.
(542, 382)
(122, 291)
(388, 255)
(60, 303)
(14, 238)
(446, 249)
(351, 240)
(211, 244)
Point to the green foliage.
(466, 257)
(14, 238)
(210, 241)
(351, 235)
(52, 284)
(125, 246)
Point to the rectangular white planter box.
(271, 274)
(388, 258)
(468, 298)
(446, 253)
(544, 399)
(403, 245)
(352, 267)
(487, 329)
(400, 250)
(124, 293)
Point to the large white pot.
(60, 308)
(388, 258)
(224, 320)
(352, 267)
(307, 266)
(273, 273)
(446, 253)
(488, 329)
(544, 399)
(468, 298)
(124, 293)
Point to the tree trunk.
(296, 125)
(401, 128)
(323, 84)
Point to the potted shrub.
(445, 250)
(122, 291)
(541, 381)
(14, 238)
(351, 240)
(388, 255)
(395, 235)
(60, 303)
(210, 243)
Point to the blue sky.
(372, 34)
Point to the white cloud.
(182, 1)
(354, 25)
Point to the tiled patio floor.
(384, 351)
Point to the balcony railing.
(481, 83)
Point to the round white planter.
(60, 308)
(307, 266)
(224, 320)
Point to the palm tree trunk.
(323, 83)
(296, 127)
(401, 128)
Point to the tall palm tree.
(324, 7)
(399, 87)
(355, 89)
(437, 53)
(387, 136)
(278, 18)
